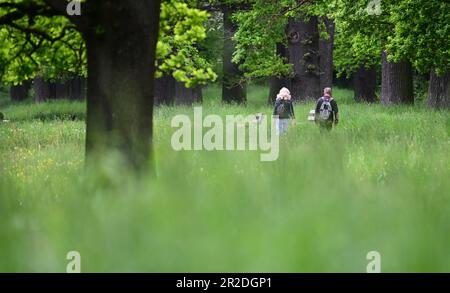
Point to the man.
(327, 112)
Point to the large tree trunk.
(164, 90)
(278, 82)
(52, 87)
(62, 90)
(187, 96)
(439, 91)
(168, 91)
(365, 84)
(233, 88)
(76, 88)
(326, 55)
(121, 68)
(19, 92)
(397, 82)
(304, 55)
(41, 89)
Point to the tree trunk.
(326, 55)
(51, 90)
(303, 51)
(41, 89)
(365, 84)
(168, 91)
(61, 90)
(165, 90)
(187, 96)
(397, 82)
(233, 88)
(278, 82)
(121, 67)
(72, 89)
(20, 92)
(77, 88)
(439, 91)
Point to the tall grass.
(376, 182)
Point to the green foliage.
(260, 30)
(26, 52)
(212, 46)
(181, 28)
(421, 34)
(263, 26)
(414, 30)
(360, 36)
(42, 45)
(351, 51)
(387, 172)
(228, 3)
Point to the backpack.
(325, 109)
(282, 110)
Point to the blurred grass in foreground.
(377, 182)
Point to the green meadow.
(377, 182)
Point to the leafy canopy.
(41, 43)
(263, 27)
(414, 30)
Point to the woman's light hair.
(327, 90)
(284, 94)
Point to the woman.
(284, 110)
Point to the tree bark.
(168, 91)
(62, 90)
(278, 82)
(121, 41)
(365, 84)
(165, 90)
(233, 88)
(397, 82)
(326, 55)
(77, 88)
(73, 88)
(439, 91)
(20, 92)
(303, 51)
(41, 89)
(187, 96)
